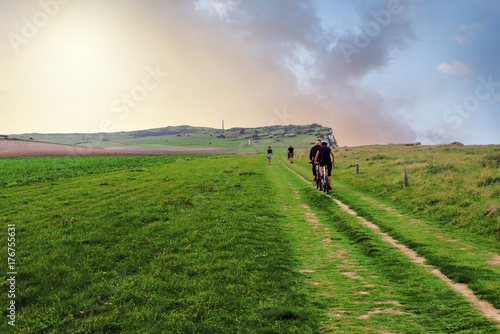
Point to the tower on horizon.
(222, 125)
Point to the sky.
(375, 71)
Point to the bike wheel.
(318, 180)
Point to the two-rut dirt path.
(484, 307)
(332, 269)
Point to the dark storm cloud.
(384, 29)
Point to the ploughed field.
(18, 148)
(228, 244)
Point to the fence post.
(405, 179)
(357, 169)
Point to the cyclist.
(323, 158)
(312, 155)
(290, 154)
(269, 155)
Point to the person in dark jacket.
(312, 156)
(291, 153)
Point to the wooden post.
(357, 169)
(405, 179)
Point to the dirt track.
(16, 148)
(486, 308)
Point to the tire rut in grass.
(321, 249)
(484, 307)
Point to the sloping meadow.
(454, 185)
(193, 245)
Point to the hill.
(180, 138)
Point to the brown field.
(18, 148)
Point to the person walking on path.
(312, 156)
(269, 155)
(290, 154)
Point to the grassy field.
(453, 186)
(19, 171)
(228, 244)
(444, 215)
(175, 248)
(185, 137)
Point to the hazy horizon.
(375, 71)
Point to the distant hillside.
(175, 137)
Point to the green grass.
(458, 239)
(215, 244)
(176, 248)
(438, 309)
(452, 186)
(18, 171)
(386, 278)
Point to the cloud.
(468, 32)
(459, 69)
(242, 60)
(353, 52)
(470, 28)
(275, 55)
(462, 39)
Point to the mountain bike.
(324, 180)
(318, 179)
(317, 176)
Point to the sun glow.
(78, 61)
(81, 63)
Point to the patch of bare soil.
(313, 283)
(392, 302)
(495, 260)
(234, 135)
(340, 254)
(444, 239)
(377, 311)
(335, 313)
(352, 275)
(486, 308)
(18, 148)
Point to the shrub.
(379, 157)
(488, 181)
(492, 160)
(434, 169)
